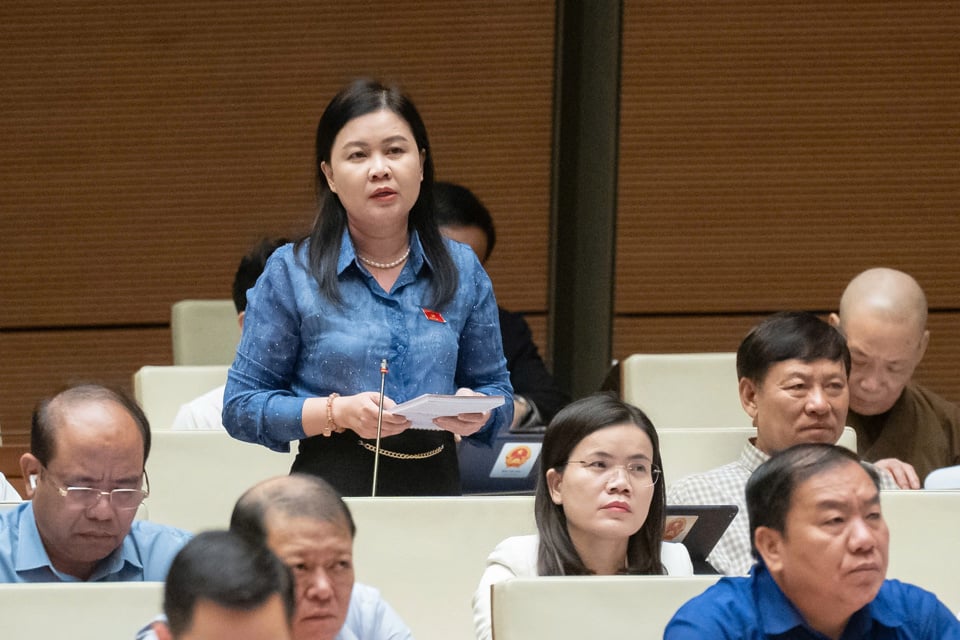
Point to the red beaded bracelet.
(331, 425)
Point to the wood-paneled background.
(147, 145)
(768, 152)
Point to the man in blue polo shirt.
(304, 521)
(86, 478)
(821, 545)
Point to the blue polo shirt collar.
(31, 555)
(778, 615)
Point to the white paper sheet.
(423, 409)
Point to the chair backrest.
(204, 331)
(81, 611)
(161, 390)
(438, 545)
(943, 478)
(577, 607)
(923, 540)
(685, 389)
(688, 451)
(197, 476)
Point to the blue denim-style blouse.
(296, 343)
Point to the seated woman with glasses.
(599, 506)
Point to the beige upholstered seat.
(197, 476)
(426, 555)
(685, 389)
(204, 332)
(161, 390)
(578, 607)
(80, 611)
(689, 451)
(923, 540)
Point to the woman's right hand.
(359, 414)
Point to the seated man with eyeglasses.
(86, 477)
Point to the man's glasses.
(120, 499)
(640, 474)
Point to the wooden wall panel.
(769, 151)
(679, 334)
(691, 334)
(36, 364)
(10, 465)
(147, 145)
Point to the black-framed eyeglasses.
(120, 499)
(640, 474)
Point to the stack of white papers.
(423, 409)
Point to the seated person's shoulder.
(371, 617)
(149, 632)
(155, 546)
(512, 557)
(363, 594)
(10, 517)
(509, 550)
(716, 481)
(202, 413)
(147, 532)
(725, 606)
(912, 605)
(947, 411)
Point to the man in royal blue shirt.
(86, 475)
(821, 544)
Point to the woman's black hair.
(359, 98)
(557, 555)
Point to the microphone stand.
(376, 453)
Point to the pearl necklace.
(384, 265)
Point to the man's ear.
(161, 630)
(748, 397)
(29, 467)
(834, 320)
(554, 480)
(924, 341)
(769, 543)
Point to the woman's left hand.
(463, 424)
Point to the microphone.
(376, 453)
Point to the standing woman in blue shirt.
(374, 280)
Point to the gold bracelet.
(401, 456)
(331, 425)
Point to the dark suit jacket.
(528, 373)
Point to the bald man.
(901, 426)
